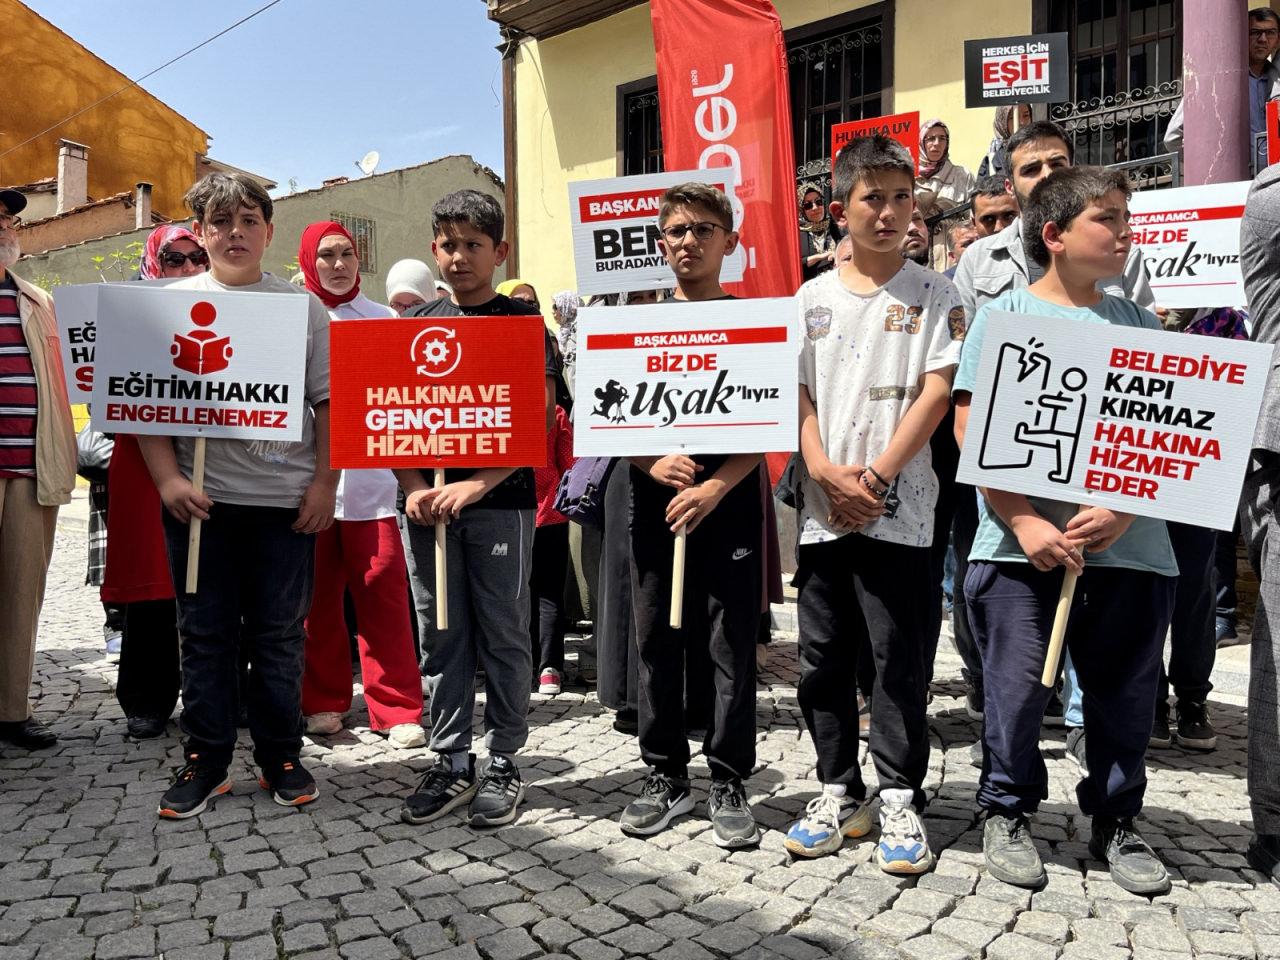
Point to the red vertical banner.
(1273, 132)
(725, 102)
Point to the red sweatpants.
(366, 557)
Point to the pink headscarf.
(157, 242)
(927, 167)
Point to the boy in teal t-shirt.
(1076, 227)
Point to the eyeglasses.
(702, 231)
(807, 205)
(175, 259)
(8, 220)
(1267, 34)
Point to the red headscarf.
(308, 248)
(157, 242)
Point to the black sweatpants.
(1192, 642)
(615, 627)
(149, 679)
(721, 614)
(854, 590)
(546, 590)
(945, 458)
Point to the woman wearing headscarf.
(361, 552)
(410, 283)
(519, 290)
(1008, 119)
(818, 232)
(137, 570)
(940, 185)
(564, 308)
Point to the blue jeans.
(1115, 635)
(255, 589)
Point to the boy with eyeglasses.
(722, 516)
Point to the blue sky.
(309, 87)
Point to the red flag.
(725, 103)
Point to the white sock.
(898, 797)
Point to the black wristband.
(883, 482)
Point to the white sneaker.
(407, 735)
(904, 845)
(549, 682)
(324, 724)
(826, 822)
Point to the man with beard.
(915, 243)
(37, 474)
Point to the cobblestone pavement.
(87, 870)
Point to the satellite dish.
(369, 162)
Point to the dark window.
(1126, 62)
(839, 70)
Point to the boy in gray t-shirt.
(262, 505)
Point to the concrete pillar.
(1215, 92)
(142, 204)
(73, 175)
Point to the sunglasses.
(810, 204)
(176, 259)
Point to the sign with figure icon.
(196, 363)
(1136, 420)
(437, 392)
(615, 231)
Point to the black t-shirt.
(517, 491)
(646, 490)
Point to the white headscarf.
(411, 276)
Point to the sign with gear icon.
(435, 352)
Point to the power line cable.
(134, 83)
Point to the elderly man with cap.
(37, 473)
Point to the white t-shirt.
(364, 494)
(259, 472)
(861, 359)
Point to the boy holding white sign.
(880, 339)
(1076, 227)
(264, 502)
(704, 495)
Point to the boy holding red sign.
(880, 339)
(490, 513)
(722, 517)
(264, 502)
(1075, 223)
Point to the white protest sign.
(76, 306)
(1141, 421)
(1190, 243)
(711, 377)
(615, 231)
(197, 363)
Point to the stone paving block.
(1208, 919)
(138, 942)
(682, 950)
(1045, 927)
(306, 936)
(356, 928)
(973, 935)
(1102, 932)
(1014, 946)
(1222, 944)
(925, 903)
(69, 948)
(261, 947)
(555, 934)
(185, 933)
(510, 944)
(896, 926)
(933, 947)
(424, 939)
(240, 924)
(646, 901)
(1159, 935)
(592, 949)
(598, 919)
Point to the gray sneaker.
(661, 800)
(732, 824)
(1075, 749)
(1134, 865)
(1009, 851)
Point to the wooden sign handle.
(1050, 675)
(442, 579)
(677, 579)
(193, 528)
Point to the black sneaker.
(1010, 853)
(1224, 632)
(1054, 711)
(498, 794)
(732, 825)
(973, 700)
(196, 783)
(1134, 865)
(661, 800)
(626, 721)
(145, 728)
(1160, 735)
(289, 782)
(1075, 749)
(1195, 732)
(440, 791)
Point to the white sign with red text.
(76, 307)
(1190, 242)
(1137, 420)
(712, 377)
(615, 231)
(197, 363)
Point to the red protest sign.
(903, 127)
(437, 392)
(1273, 132)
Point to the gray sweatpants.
(1262, 533)
(487, 556)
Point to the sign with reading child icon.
(1141, 421)
(197, 363)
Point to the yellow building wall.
(132, 137)
(566, 103)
